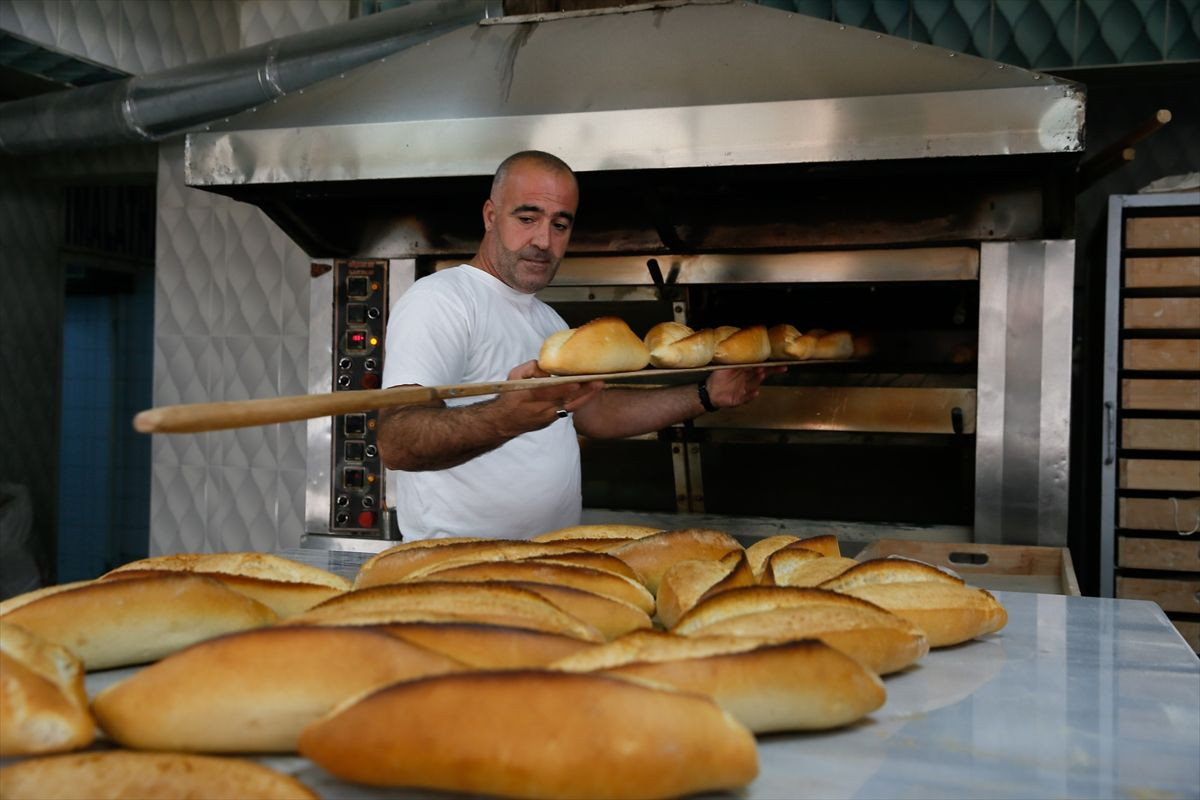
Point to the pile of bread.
(591, 662)
(608, 344)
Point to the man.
(508, 467)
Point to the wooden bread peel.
(201, 417)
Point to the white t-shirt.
(462, 325)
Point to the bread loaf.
(131, 621)
(801, 685)
(599, 531)
(602, 345)
(687, 582)
(484, 646)
(255, 691)
(746, 346)
(610, 616)
(675, 345)
(421, 544)
(535, 734)
(285, 586)
(880, 640)
(591, 559)
(948, 613)
(789, 344)
(797, 567)
(43, 705)
(652, 556)
(444, 601)
(889, 570)
(585, 578)
(125, 775)
(826, 544)
(399, 565)
(758, 553)
(838, 345)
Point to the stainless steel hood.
(670, 87)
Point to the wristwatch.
(705, 400)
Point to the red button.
(366, 519)
(370, 380)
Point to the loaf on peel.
(745, 346)
(603, 345)
(789, 344)
(674, 345)
(483, 646)
(43, 705)
(255, 691)
(535, 734)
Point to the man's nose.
(541, 236)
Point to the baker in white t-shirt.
(507, 465)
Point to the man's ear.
(489, 214)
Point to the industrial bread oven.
(738, 164)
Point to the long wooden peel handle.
(200, 417)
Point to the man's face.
(528, 223)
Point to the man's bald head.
(539, 158)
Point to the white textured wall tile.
(36, 20)
(183, 279)
(263, 20)
(179, 448)
(90, 28)
(178, 509)
(290, 523)
(181, 369)
(254, 266)
(246, 519)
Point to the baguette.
(789, 344)
(444, 601)
(125, 775)
(948, 613)
(758, 553)
(652, 556)
(745, 346)
(285, 586)
(399, 565)
(837, 345)
(255, 691)
(801, 685)
(43, 704)
(483, 646)
(597, 531)
(889, 570)
(796, 567)
(116, 623)
(421, 544)
(610, 616)
(585, 578)
(675, 345)
(603, 345)
(826, 544)
(688, 582)
(592, 559)
(535, 734)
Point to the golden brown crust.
(948, 613)
(125, 775)
(399, 565)
(132, 621)
(285, 598)
(747, 346)
(889, 570)
(255, 691)
(585, 578)
(652, 556)
(489, 646)
(592, 559)
(689, 582)
(789, 344)
(826, 544)
(674, 345)
(754, 599)
(266, 566)
(485, 732)
(603, 345)
(836, 345)
(796, 567)
(597, 531)
(420, 544)
(758, 553)
(43, 705)
(444, 601)
(610, 616)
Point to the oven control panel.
(360, 306)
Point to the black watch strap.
(705, 400)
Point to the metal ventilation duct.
(654, 86)
(150, 107)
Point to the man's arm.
(434, 436)
(632, 412)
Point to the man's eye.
(561, 226)
(526, 220)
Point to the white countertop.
(1077, 697)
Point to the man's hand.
(728, 388)
(533, 409)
